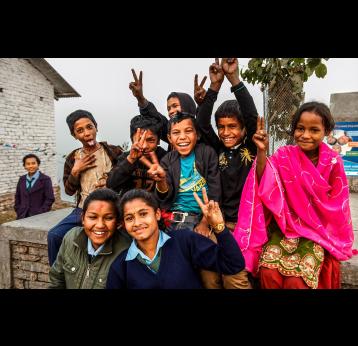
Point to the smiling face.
(230, 131)
(85, 131)
(99, 222)
(141, 220)
(31, 166)
(173, 106)
(309, 132)
(183, 137)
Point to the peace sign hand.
(155, 171)
(199, 90)
(210, 209)
(136, 150)
(260, 138)
(137, 86)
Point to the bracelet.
(156, 186)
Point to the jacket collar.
(82, 239)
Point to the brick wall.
(29, 264)
(26, 119)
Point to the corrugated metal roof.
(62, 88)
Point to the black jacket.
(234, 164)
(125, 176)
(206, 162)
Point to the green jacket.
(72, 268)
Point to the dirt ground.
(10, 215)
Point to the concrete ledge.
(29, 231)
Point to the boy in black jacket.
(130, 172)
(236, 124)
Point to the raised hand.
(210, 209)
(199, 90)
(230, 67)
(137, 86)
(260, 138)
(136, 151)
(155, 171)
(83, 163)
(216, 74)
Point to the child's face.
(85, 131)
(99, 222)
(173, 106)
(230, 131)
(31, 165)
(140, 219)
(183, 137)
(309, 131)
(150, 143)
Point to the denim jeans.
(56, 233)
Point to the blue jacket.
(182, 256)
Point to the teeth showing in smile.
(183, 145)
(228, 139)
(91, 143)
(98, 233)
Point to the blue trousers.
(56, 233)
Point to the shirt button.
(73, 269)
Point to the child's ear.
(158, 214)
(169, 139)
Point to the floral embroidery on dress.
(290, 244)
(272, 253)
(290, 262)
(318, 251)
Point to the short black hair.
(76, 115)
(230, 109)
(180, 116)
(147, 197)
(29, 156)
(104, 194)
(152, 123)
(318, 108)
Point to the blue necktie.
(29, 183)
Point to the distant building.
(28, 88)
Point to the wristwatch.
(219, 227)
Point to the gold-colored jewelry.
(219, 227)
(156, 186)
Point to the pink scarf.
(306, 201)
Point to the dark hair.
(29, 156)
(76, 115)
(152, 123)
(230, 109)
(147, 197)
(318, 108)
(180, 116)
(104, 194)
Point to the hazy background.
(103, 86)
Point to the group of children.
(210, 212)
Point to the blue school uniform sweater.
(182, 256)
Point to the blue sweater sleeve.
(225, 257)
